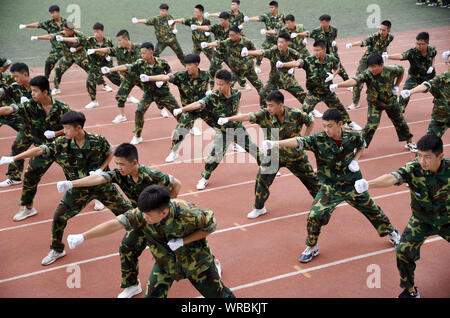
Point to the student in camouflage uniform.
(236, 16)
(439, 88)
(337, 153)
(273, 20)
(281, 76)
(53, 26)
(176, 233)
(165, 31)
(6, 78)
(223, 102)
(279, 122)
(297, 42)
(428, 180)
(132, 177)
(153, 91)
(421, 64)
(382, 91)
(376, 43)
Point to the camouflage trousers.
(294, 89)
(410, 83)
(266, 45)
(20, 144)
(162, 101)
(131, 247)
(185, 124)
(208, 283)
(394, 113)
(12, 121)
(358, 88)
(330, 99)
(249, 73)
(408, 251)
(342, 72)
(174, 45)
(76, 199)
(221, 142)
(65, 63)
(326, 201)
(302, 50)
(37, 167)
(95, 77)
(197, 49)
(440, 118)
(53, 57)
(125, 89)
(299, 166)
(216, 64)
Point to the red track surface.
(259, 257)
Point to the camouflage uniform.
(271, 22)
(297, 43)
(440, 118)
(124, 56)
(236, 20)
(379, 98)
(279, 78)
(165, 37)
(375, 44)
(417, 72)
(193, 261)
(191, 90)
(199, 36)
(134, 242)
(338, 183)
(330, 36)
(318, 90)
(295, 160)
(76, 163)
(430, 205)
(56, 52)
(161, 96)
(218, 105)
(11, 94)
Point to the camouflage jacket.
(147, 177)
(232, 50)
(328, 37)
(379, 88)
(77, 162)
(272, 22)
(375, 44)
(191, 89)
(124, 56)
(419, 64)
(163, 30)
(198, 36)
(439, 87)
(65, 46)
(297, 43)
(142, 67)
(52, 27)
(236, 20)
(430, 192)
(184, 218)
(281, 75)
(6, 79)
(98, 60)
(14, 93)
(220, 34)
(332, 160)
(316, 73)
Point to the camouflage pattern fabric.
(439, 87)
(271, 22)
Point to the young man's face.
(123, 41)
(98, 34)
(383, 31)
(192, 68)
(289, 24)
(71, 131)
(332, 128)
(274, 108)
(155, 216)
(223, 86)
(324, 24)
(68, 32)
(224, 22)
(37, 94)
(422, 45)
(146, 54)
(282, 44)
(376, 69)
(124, 166)
(164, 13)
(55, 15)
(198, 13)
(235, 37)
(234, 6)
(428, 160)
(319, 52)
(273, 10)
(21, 78)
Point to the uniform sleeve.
(403, 174)
(111, 176)
(307, 119)
(50, 149)
(435, 81)
(362, 77)
(306, 143)
(313, 34)
(397, 70)
(166, 67)
(130, 219)
(257, 117)
(262, 18)
(106, 147)
(368, 41)
(268, 53)
(206, 102)
(112, 51)
(188, 21)
(161, 179)
(44, 25)
(250, 45)
(174, 78)
(206, 221)
(407, 55)
(150, 21)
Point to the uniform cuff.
(46, 151)
(300, 143)
(398, 177)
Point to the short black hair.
(148, 46)
(41, 82)
(275, 96)
(127, 151)
(423, 36)
(431, 142)
(273, 3)
(325, 17)
(20, 68)
(154, 197)
(191, 58)
(224, 15)
(236, 1)
(73, 118)
(285, 36)
(375, 59)
(200, 7)
(224, 74)
(333, 114)
(123, 33)
(164, 6)
(235, 29)
(289, 17)
(320, 43)
(387, 23)
(98, 26)
(53, 8)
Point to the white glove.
(175, 31)
(294, 35)
(204, 45)
(134, 20)
(144, 78)
(333, 87)
(34, 38)
(279, 64)
(73, 49)
(353, 166)
(263, 31)
(207, 33)
(96, 172)
(222, 121)
(108, 58)
(244, 52)
(194, 27)
(6, 160)
(90, 51)
(49, 134)
(22, 26)
(74, 239)
(159, 84)
(361, 185)
(385, 56)
(176, 243)
(64, 186)
(445, 54)
(348, 46)
(329, 78)
(305, 41)
(208, 92)
(333, 44)
(267, 144)
(240, 27)
(291, 71)
(177, 111)
(23, 99)
(246, 19)
(105, 70)
(206, 15)
(395, 90)
(170, 22)
(405, 93)
(430, 70)
(59, 38)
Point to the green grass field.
(349, 16)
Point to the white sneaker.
(136, 140)
(258, 70)
(98, 206)
(238, 148)
(316, 113)
(56, 91)
(171, 157)
(164, 113)
(131, 291)
(119, 118)
(309, 253)
(350, 89)
(24, 213)
(353, 106)
(411, 146)
(52, 257)
(107, 88)
(92, 104)
(353, 126)
(131, 99)
(8, 182)
(218, 266)
(278, 174)
(394, 238)
(256, 212)
(195, 131)
(202, 183)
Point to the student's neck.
(227, 93)
(135, 173)
(235, 11)
(200, 18)
(46, 101)
(280, 115)
(58, 20)
(338, 137)
(151, 60)
(326, 29)
(321, 59)
(100, 40)
(195, 74)
(128, 46)
(27, 85)
(80, 139)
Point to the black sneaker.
(407, 294)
